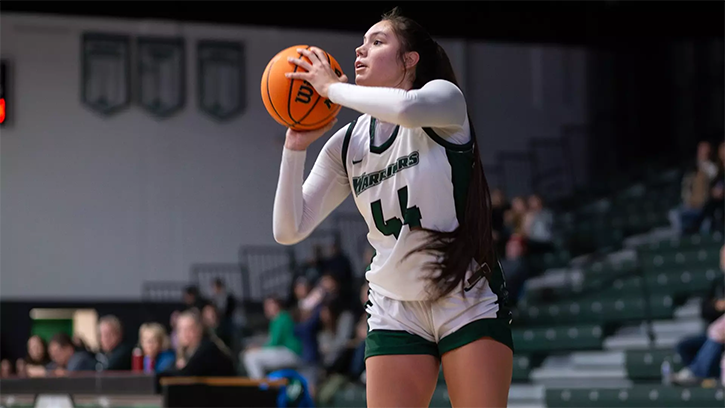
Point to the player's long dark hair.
(473, 239)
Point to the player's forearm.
(437, 104)
(288, 200)
(299, 207)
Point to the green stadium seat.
(608, 268)
(684, 282)
(598, 310)
(689, 242)
(545, 339)
(636, 396)
(676, 282)
(669, 259)
(353, 396)
(645, 365)
(522, 368)
(548, 260)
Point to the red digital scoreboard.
(3, 92)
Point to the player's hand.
(301, 140)
(319, 72)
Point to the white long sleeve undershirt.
(301, 205)
(438, 104)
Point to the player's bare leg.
(401, 381)
(479, 374)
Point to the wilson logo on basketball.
(305, 93)
(294, 103)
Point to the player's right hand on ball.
(300, 140)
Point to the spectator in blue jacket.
(157, 352)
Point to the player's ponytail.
(473, 239)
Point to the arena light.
(3, 88)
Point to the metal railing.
(232, 275)
(260, 260)
(163, 291)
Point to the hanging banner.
(221, 78)
(161, 75)
(105, 72)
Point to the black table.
(125, 389)
(222, 392)
(106, 383)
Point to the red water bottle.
(137, 360)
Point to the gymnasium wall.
(92, 205)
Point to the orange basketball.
(294, 103)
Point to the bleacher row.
(603, 314)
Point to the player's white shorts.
(421, 327)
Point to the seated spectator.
(695, 191)
(80, 343)
(327, 287)
(198, 354)
(515, 268)
(499, 206)
(114, 354)
(350, 364)
(306, 330)
(338, 265)
(215, 325)
(173, 335)
(309, 308)
(514, 218)
(538, 226)
(37, 360)
(301, 288)
(283, 348)
(6, 368)
(313, 267)
(66, 357)
(712, 211)
(705, 362)
(192, 298)
(337, 325)
(224, 301)
(157, 351)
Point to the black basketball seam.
(292, 86)
(289, 100)
(329, 61)
(269, 96)
(309, 111)
(322, 120)
(318, 99)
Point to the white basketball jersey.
(414, 179)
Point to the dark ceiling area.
(566, 22)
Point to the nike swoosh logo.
(356, 162)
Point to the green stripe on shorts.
(497, 329)
(394, 342)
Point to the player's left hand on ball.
(319, 72)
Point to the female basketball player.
(413, 166)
